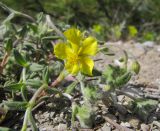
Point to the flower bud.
(135, 67)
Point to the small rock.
(120, 98)
(125, 124)
(52, 114)
(134, 122)
(105, 128)
(62, 127)
(99, 119)
(148, 44)
(145, 127)
(61, 115)
(112, 117)
(121, 109)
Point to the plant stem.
(61, 76)
(80, 78)
(4, 62)
(23, 88)
(25, 121)
(33, 99)
(16, 12)
(51, 24)
(32, 122)
(31, 104)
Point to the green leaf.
(8, 45)
(45, 75)
(96, 72)
(16, 105)
(74, 112)
(116, 76)
(132, 31)
(36, 67)
(143, 107)
(6, 129)
(34, 83)
(106, 51)
(85, 116)
(51, 38)
(53, 91)
(14, 86)
(123, 79)
(24, 93)
(90, 93)
(70, 88)
(20, 59)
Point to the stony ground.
(55, 114)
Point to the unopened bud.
(135, 67)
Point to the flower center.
(73, 59)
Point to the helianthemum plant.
(76, 52)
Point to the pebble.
(112, 117)
(134, 122)
(145, 127)
(125, 124)
(120, 98)
(62, 127)
(52, 114)
(105, 128)
(148, 43)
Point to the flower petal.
(86, 65)
(62, 50)
(73, 35)
(72, 68)
(89, 46)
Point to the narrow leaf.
(20, 59)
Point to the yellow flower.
(77, 51)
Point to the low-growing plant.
(36, 57)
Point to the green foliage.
(143, 107)
(16, 105)
(20, 59)
(116, 32)
(135, 67)
(45, 75)
(6, 129)
(70, 88)
(15, 87)
(104, 16)
(149, 36)
(132, 31)
(85, 116)
(90, 93)
(116, 76)
(8, 45)
(31, 70)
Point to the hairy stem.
(31, 104)
(51, 24)
(4, 62)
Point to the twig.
(16, 12)
(152, 96)
(117, 126)
(125, 93)
(52, 25)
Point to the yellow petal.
(72, 68)
(86, 65)
(89, 47)
(62, 50)
(74, 36)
